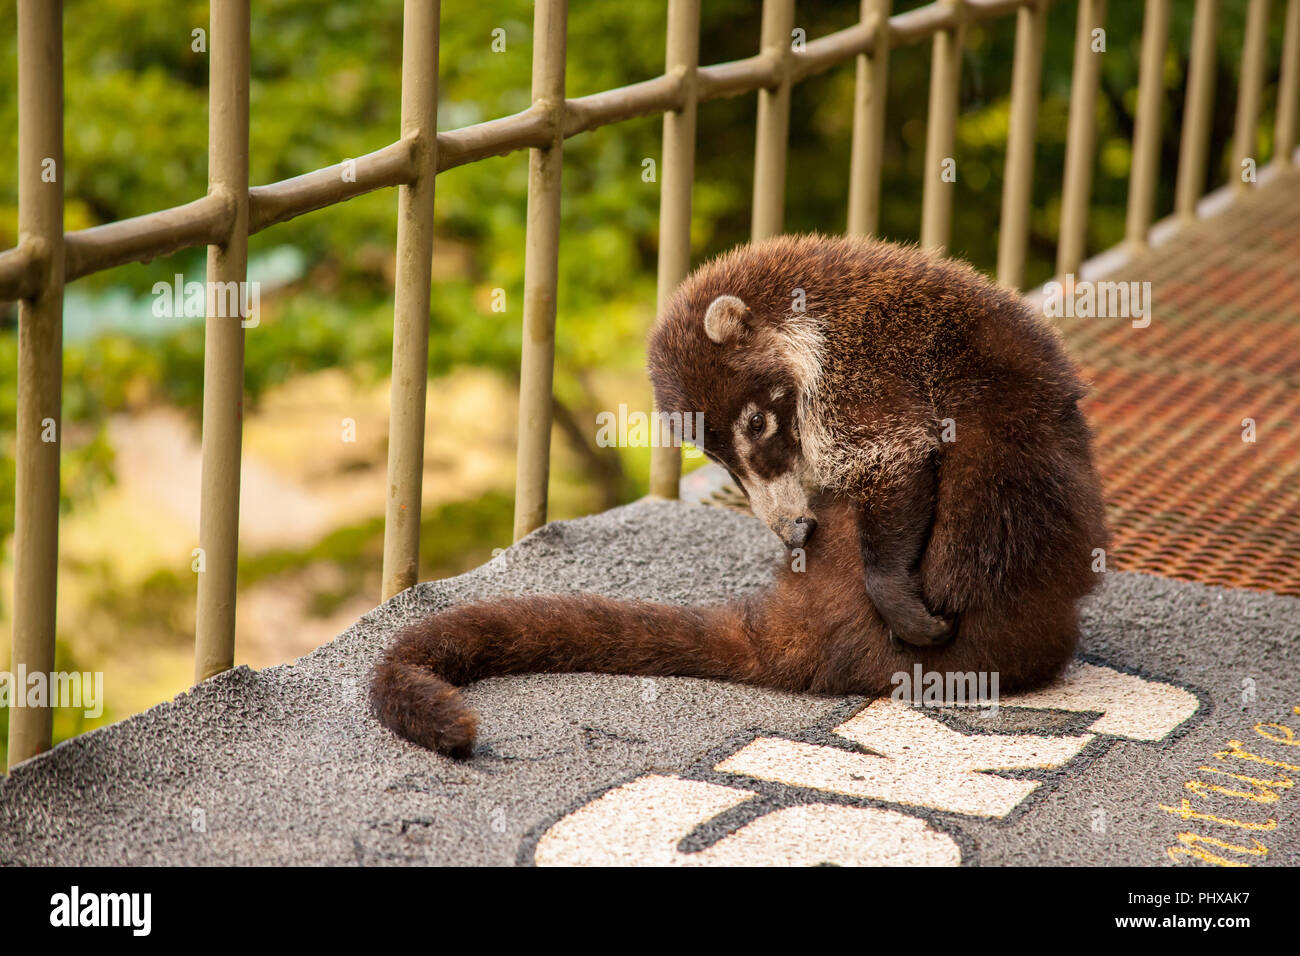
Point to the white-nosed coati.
(908, 424)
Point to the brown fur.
(989, 537)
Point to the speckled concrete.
(286, 766)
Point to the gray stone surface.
(286, 765)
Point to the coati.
(908, 426)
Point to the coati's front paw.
(905, 614)
(921, 629)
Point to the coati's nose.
(799, 531)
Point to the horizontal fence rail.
(144, 238)
(35, 271)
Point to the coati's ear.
(726, 319)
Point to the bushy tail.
(414, 690)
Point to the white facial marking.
(780, 500)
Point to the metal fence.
(46, 258)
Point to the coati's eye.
(757, 422)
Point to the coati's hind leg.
(893, 529)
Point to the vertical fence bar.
(1018, 181)
(677, 169)
(1253, 53)
(773, 124)
(941, 132)
(1288, 87)
(1146, 134)
(1196, 114)
(1081, 138)
(223, 350)
(541, 267)
(411, 299)
(869, 97)
(40, 365)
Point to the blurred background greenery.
(325, 86)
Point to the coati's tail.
(814, 630)
(414, 690)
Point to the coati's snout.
(788, 515)
(795, 534)
(783, 505)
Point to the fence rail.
(45, 259)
